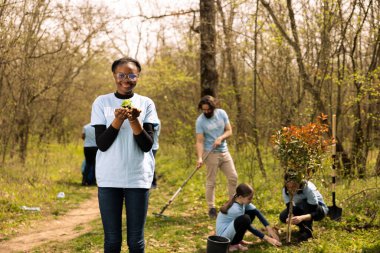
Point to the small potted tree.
(300, 150)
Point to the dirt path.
(61, 229)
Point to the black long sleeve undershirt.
(106, 136)
(256, 213)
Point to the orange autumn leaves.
(302, 148)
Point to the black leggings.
(90, 155)
(304, 208)
(242, 224)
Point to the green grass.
(49, 170)
(187, 225)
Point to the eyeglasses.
(122, 76)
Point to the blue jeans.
(111, 207)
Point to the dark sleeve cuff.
(145, 138)
(256, 232)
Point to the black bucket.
(217, 244)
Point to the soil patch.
(62, 229)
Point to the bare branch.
(173, 14)
(277, 22)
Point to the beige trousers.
(224, 162)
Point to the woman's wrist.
(117, 123)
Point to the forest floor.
(64, 228)
(73, 224)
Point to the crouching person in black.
(308, 204)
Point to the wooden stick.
(290, 216)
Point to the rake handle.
(183, 184)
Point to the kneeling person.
(308, 204)
(236, 216)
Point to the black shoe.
(305, 235)
(212, 213)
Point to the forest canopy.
(277, 63)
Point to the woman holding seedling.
(236, 216)
(124, 123)
(308, 204)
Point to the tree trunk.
(377, 166)
(345, 161)
(254, 99)
(358, 155)
(232, 72)
(209, 74)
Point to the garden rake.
(160, 214)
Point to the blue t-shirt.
(212, 128)
(123, 164)
(310, 194)
(225, 222)
(89, 136)
(157, 130)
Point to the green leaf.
(127, 103)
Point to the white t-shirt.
(89, 136)
(123, 164)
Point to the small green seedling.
(127, 103)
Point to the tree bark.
(358, 156)
(295, 44)
(377, 166)
(209, 74)
(232, 72)
(254, 99)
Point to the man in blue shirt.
(212, 129)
